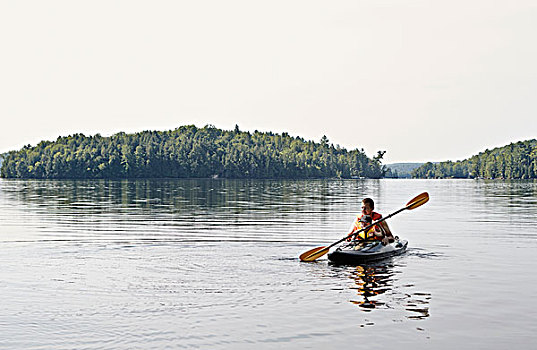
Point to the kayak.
(360, 252)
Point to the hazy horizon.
(421, 80)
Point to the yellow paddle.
(315, 253)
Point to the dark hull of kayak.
(349, 256)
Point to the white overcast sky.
(423, 80)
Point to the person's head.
(366, 220)
(368, 206)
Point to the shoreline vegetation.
(190, 152)
(208, 152)
(514, 161)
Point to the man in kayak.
(380, 232)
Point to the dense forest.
(189, 152)
(514, 161)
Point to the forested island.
(189, 152)
(514, 161)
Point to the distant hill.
(401, 170)
(514, 161)
(189, 152)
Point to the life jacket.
(359, 224)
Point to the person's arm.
(387, 233)
(385, 229)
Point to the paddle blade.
(313, 254)
(417, 201)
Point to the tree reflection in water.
(377, 288)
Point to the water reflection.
(377, 287)
(370, 282)
(418, 304)
(180, 209)
(237, 195)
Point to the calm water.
(212, 264)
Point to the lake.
(213, 264)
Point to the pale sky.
(423, 80)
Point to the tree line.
(514, 161)
(189, 152)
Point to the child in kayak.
(380, 232)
